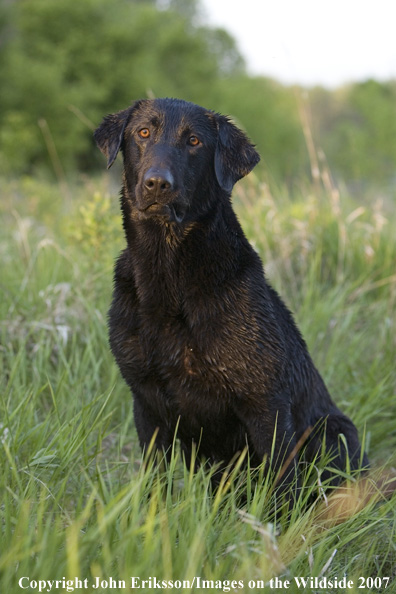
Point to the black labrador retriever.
(207, 347)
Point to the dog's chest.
(182, 359)
(191, 341)
(198, 371)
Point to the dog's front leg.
(155, 436)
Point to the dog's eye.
(193, 140)
(144, 133)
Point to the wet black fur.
(202, 340)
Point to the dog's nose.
(157, 181)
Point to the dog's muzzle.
(157, 196)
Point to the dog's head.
(173, 151)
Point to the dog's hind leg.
(336, 437)
(271, 438)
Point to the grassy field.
(76, 503)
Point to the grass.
(76, 501)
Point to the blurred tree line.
(63, 65)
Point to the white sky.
(312, 41)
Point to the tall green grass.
(76, 500)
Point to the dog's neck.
(168, 257)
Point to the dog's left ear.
(235, 156)
(110, 133)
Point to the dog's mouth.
(169, 211)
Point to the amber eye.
(144, 133)
(193, 140)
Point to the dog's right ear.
(110, 133)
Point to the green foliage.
(68, 64)
(268, 111)
(96, 227)
(356, 126)
(75, 499)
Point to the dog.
(206, 345)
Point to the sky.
(311, 42)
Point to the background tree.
(64, 64)
(356, 126)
